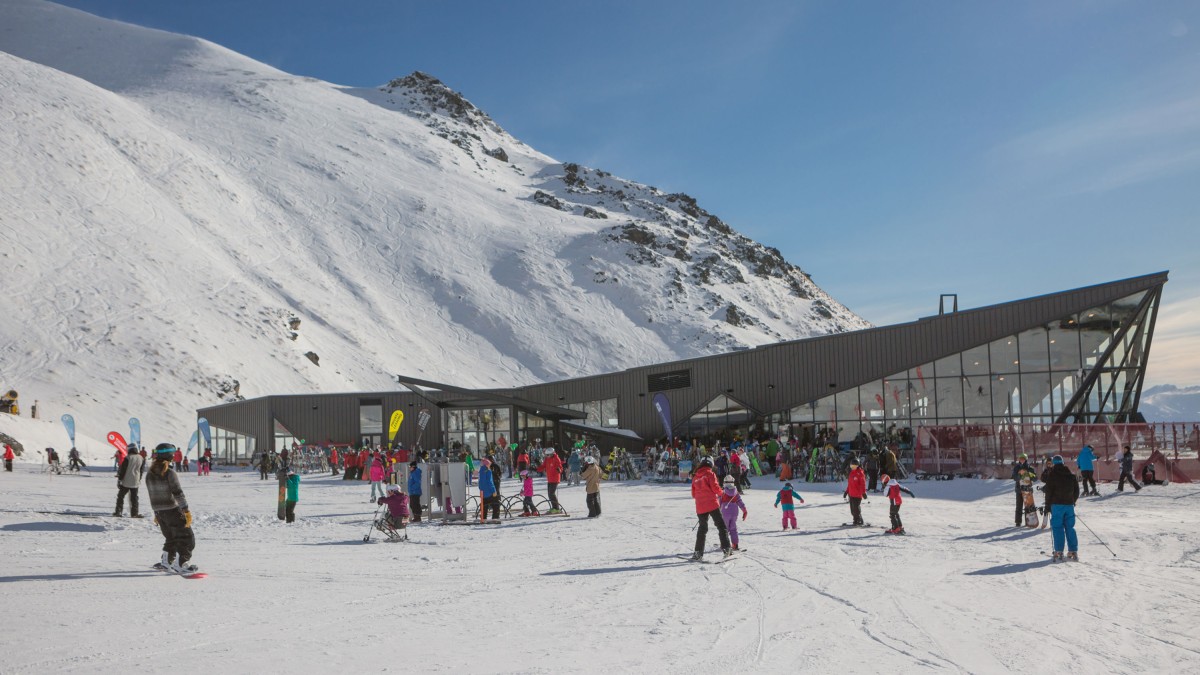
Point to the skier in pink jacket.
(731, 502)
(376, 475)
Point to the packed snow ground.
(965, 592)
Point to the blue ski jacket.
(414, 482)
(1086, 458)
(486, 487)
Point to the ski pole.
(1096, 536)
(367, 536)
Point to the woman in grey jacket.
(170, 511)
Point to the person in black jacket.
(1062, 491)
(1127, 472)
(1021, 465)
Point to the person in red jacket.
(892, 488)
(333, 461)
(178, 459)
(707, 493)
(856, 489)
(552, 466)
(8, 457)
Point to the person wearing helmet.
(1022, 464)
(892, 488)
(170, 511)
(856, 489)
(788, 497)
(1150, 475)
(591, 477)
(414, 491)
(707, 495)
(397, 504)
(731, 502)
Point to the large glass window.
(370, 421)
(229, 447)
(602, 413)
(949, 400)
(1034, 350)
(722, 419)
(476, 429)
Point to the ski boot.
(1057, 557)
(182, 567)
(728, 553)
(165, 563)
(1072, 556)
(697, 556)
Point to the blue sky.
(894, 151)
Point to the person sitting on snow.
(397, 503)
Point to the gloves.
(187, 518)
(845, 495)
(744, 514)
(801, 501)
(776, 506)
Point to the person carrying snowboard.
(788, 497)
(1127, 472)
(293, 496)
(1062, 491)
(76, 462)
(856, 489)
(171, 512)
(892, 488)
(731, 502)
(707, 493)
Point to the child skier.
(786, 497)
(893, 488)
(171, 512)
(293, 495)
(527, 493)
(376, 474)
(731, 501)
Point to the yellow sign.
(394, 425)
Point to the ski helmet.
(393, 488)
(164, 450)
(729, 480)
(884, 479)
(706, 461)
(853, 461)
(1057, 459)
(589, 460)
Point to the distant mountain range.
(1169, 403)
(184, 225)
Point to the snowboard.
(855, 525)
(282, 509)
(186, 575)
(1031, 512)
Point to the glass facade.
(722, 418)
(1085, 367)
(474, 429)
(230, 447)
(284, 439)
(601, 413)
(370, 421)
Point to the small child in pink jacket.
(527, 492)
(375, 473)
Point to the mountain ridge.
(220, 228)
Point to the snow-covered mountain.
(181, 224)
(1169, 403)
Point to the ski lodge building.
(1047, 372)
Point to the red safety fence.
(990, 450)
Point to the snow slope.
(175, 206)
(965, 593)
